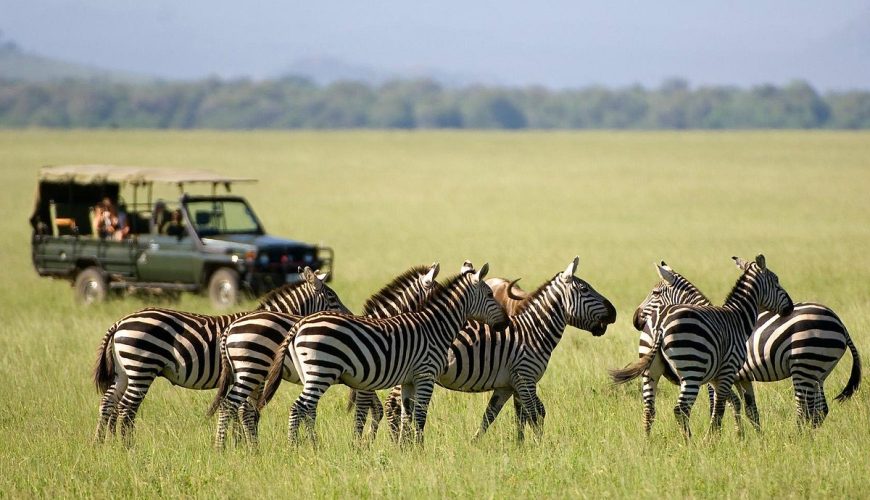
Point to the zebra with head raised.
(371, 354)
(249, 343)
(182, 347)
(511, 362)
(804, 346)
(707, 343)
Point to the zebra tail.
(104, 368)
(351, 400)
(225, 380)
(634, 370)
(855, 376)
(276, 370)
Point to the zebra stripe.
(511, 362)
(706, 343)
(181, 347)
(804, 346)
(249, 344)
(371, 354)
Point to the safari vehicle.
(218, 246)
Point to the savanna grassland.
(527, 203)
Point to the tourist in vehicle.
(174, 226)
(122, 227)
(159, 217)
(106, 218)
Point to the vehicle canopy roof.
(108, 174)
(76, 188)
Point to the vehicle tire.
(90, 286)
(223, 288)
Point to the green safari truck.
(212, 244)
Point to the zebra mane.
(731, 294)
(397, 286)
(521, 308)
(281, 290)
(691, 286)
(442, 289)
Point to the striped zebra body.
(250, 343)
(704, 344)
(511, 362)
(181, 347)
(371, 354)
(804, 346)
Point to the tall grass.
(526, 203)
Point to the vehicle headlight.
(309, 258)
(264, 260)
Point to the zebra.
(371, 354)
(804, 346)
(511, 362)
(249, 344)
(706, 343)
(180, 346)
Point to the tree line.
(293, 102)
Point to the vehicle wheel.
(90, 286)
(223, 288)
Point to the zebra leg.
(722, 394)
(424, 388)
(393, 410)
(712, 395)
(734, 399)
(135, 392)
(363, 403)
(227, 412)
(649, 387)
(745, 387)
(496, 402)
(408, 404)
(249, 417)
(377, 412)
(521, 418)
(804, 393)
(822, 410)
(528, 396)
(305, 409)
(108, 414)
(683, 409)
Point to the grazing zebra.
(371, 354)
(804, 346)
(249, 344)
(510, 363)
(180, 346)
(706, 343)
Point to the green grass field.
(524, 202)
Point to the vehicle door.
(169, 259)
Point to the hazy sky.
(559, 43)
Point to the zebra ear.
(741, 264)
(321, 276)
(467, 266)
(759, 259)
(666, 266)
(571, 269)
(666, 273)
(480, 275)
(429, 277)
(311, 278)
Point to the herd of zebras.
(468, 334)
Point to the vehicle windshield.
(213, 217)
